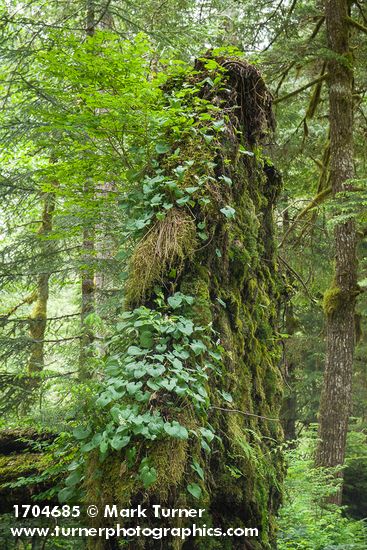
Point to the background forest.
(109, 127)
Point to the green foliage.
(81, 118)
(147, 474)
(355, 474)
(158, 355)
(181, 177)
(194, 490)
(350, 204)
(306, 521)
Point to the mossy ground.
(13, 467)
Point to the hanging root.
(163, 248)
(253, 98)
(248, 97)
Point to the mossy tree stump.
(233, 276)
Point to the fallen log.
(22, 457)
(22, 439)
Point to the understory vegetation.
(305, 521)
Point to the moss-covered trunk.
(38, 317)
(340, 298)
(88, 286)
(221, 252)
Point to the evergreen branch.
(283, 76)
(320, 197)
(356, 25)
(18, 188)
(299, 90)
(315, 32)
(283, 28)
(61, 375)
(43, 254)
(313, 35)
(13, 275)
(41, 340)
(26, 319)
(27, 300)
(361, 10)
(298, 277)
(100, 18)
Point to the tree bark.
(289, 405)
(38, 318)
(340, 299)
(88, 239)
(87, 290)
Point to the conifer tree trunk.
(88, 244)
(234, 280)
(38, 317)
(289, 407)
(106, 245)
(87, 288)
(340, 299)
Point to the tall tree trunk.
(87, 277)
(106, 244)
(289, 405)
(87, 287)
(339, 300)
(38, 317)
(234, 279)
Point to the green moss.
(16, 467)
(165, 247)
(333, 300)
(19, 465)
(243, 474)
(169, 459)
(197, 284)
